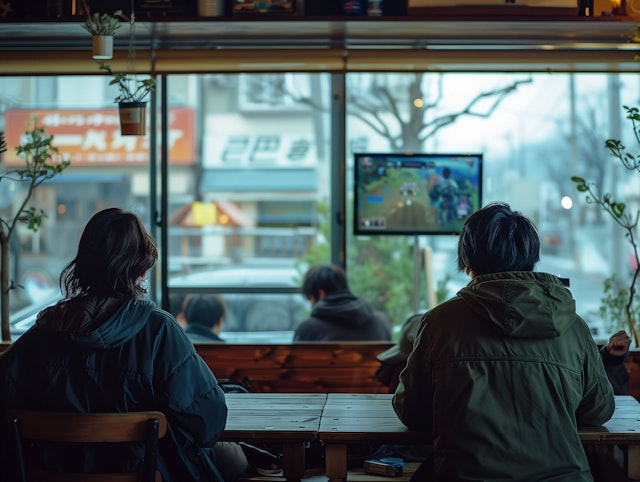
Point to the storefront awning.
(302, 179)
(186, 217)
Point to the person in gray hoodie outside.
(336, 313)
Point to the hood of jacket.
(521, 304)
(96, 322)
(345, 308)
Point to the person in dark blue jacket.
(103, 348)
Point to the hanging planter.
(102, 47)
(133, 91)
(102, 27)
(133, 118)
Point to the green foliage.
(102, 24)
(38, 152)
(132, 88)
(381, 270)
(613, 304)
(615, 299)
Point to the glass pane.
(106, 170)
(535, 132)
(245, 208)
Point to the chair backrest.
(87, 428)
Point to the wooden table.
(290, 419)
(370, 417)
(623, 430)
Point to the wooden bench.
(337, 367)
(317, 367)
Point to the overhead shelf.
(253, 44)
(350, 33)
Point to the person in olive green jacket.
(502, 375)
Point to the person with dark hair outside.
(501, 375)
(176, 303)
(103, 348)
(203, 315)
(336, 313)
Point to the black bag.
(229, 386)
(260, 458)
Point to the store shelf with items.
(357, 32)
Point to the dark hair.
(176, 303)
(115, 249)
(496, 239)
(326, 277)
(204, 309)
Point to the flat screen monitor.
(415, 194)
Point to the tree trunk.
(5, 268)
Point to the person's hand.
(619, 344)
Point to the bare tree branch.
(497, 97)
(406, 129)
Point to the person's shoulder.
(166, 329)
(158, 315)
(381, 316)
(308, 329)
(443, 311)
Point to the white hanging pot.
(102, 47)
(133, 117)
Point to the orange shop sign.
(92, 137)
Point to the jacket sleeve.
(617, 371)
(597, 404)
(194, 403)
(413, 398)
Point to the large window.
(245, 216)
(535, 131)
(252, 197)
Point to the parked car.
(258, 298)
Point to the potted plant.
(133, 91)
(38, 153)
(103, 27)
(618, 300)
(131, 100)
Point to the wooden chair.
(147, 427)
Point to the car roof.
(238, 277)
